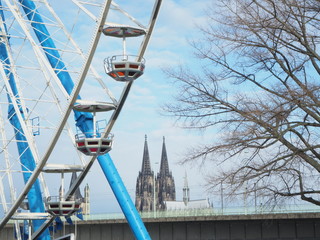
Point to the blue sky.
(141, 115)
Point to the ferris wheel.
(66, 71)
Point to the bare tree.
(259, 86)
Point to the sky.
(141, 115)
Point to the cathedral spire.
(165, 180)
(146, 167)
(164, 165)
(145, 183)
(77, 193)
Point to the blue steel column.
(83, 119)
(26, 157)
(124, 200)
(84, 122)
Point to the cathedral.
(153, 191)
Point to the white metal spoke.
(73, 42)
(40, 56)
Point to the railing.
(60, 198)
(120, 58)
(212, 212)
(207, 212)
(98, 133)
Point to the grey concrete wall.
(255, 229)
(287, 229)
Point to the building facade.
(186, 203)
(153, 191)
(145, 187)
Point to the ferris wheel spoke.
(7, 162)
(125, 13)
(78, 50)
(81, 4)
(39, 55)
(25, 130)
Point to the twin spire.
(154, 190)
(164, 165)
(146, 166)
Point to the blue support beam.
(123, 197)
(83, 119)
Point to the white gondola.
(92, 143)
(59, 205)
(92, 146)
(124, 67)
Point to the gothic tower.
(145, 183)
(186, 190)
(165, 180)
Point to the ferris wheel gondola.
(124, 67)
(93, 143)
(59, 205)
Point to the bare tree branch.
(259, 86)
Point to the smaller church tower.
(145, 183)
(165, 180)
(186, 190)
(86, 204)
